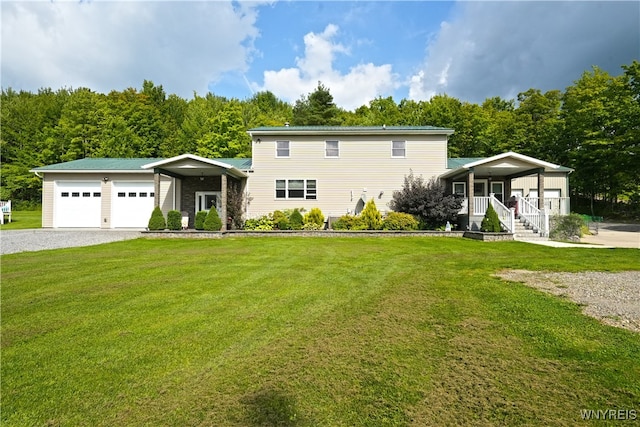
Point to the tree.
(212, 221)
(316, 109)
(157, 221)
(490, 223)
(427, 201)
(226, 136)
(370, 216)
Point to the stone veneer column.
(223, 202)
(156, 188)
(541, 189)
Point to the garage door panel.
(132, 204)
(77, 204)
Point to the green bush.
(199, 221)
(261, 223)
(491, 222)
(371, 217)
(399, 221)
(314, 216)
(566, 227)
(212, 221)
(296, 220)
(349, 222)
(312, 226)
(157, 222)
(174, 220)
(280, 220)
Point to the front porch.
(515, 185)
(200, 184)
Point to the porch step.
(525, 232)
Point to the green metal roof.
(120, 164)
(458, 162)
(348, 129)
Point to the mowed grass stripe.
(298, 331)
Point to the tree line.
(593, 126)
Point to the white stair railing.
(506, 215)
(538, 219)
(480, 205)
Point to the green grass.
(22, 220)
(305, 332)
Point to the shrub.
(428, 201)
(371, 216)
(566, 227)
(295, 220)
(157, 222)
(399, 221)
(261, 223)
(491, 222)
(312, 226)
(280, 220)
(174, 220)
(348, 222)
(212, 221)
(199, 221)
(314, 217)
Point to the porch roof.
(505, 164)
(192, 165)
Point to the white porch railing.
(553, 205)
(507, 216)
(538, 219)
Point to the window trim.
(309, 193)
(278, 149)
(464, 188)
(404, 149)
(326, 149)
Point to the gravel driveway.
(13, 241)
(613, 298)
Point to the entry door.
(497, 188)
(205, 200)
(480, 188)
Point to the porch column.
(507, 188)
(223, 201)
(156, 188)
(470, 183)
(541, 189)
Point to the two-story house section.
(338, 169)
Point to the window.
(132, 194)
(143, 194)
(75, 194)
(86, 194)
(121, 194)
(398, 149)
(296, 189)
(98, 194)
(152, 194)
(460, 188)
(282, 148)
(332, 149)
(65, 194)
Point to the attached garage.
(131, 204)
(77, 204)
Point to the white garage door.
(132, 204)
(77, 204)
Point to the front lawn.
(23, 219)
(305, 332)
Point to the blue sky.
(360, 50)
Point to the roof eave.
(380, 131)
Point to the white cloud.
(502, 48)
(350, 90)
(113, 45)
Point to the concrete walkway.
(610, 235)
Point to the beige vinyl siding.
(48, 192)
(364, 163)
(552, 181)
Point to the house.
(336, 169)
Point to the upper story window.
(398, 148)
(332, 149)
(282, 148)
